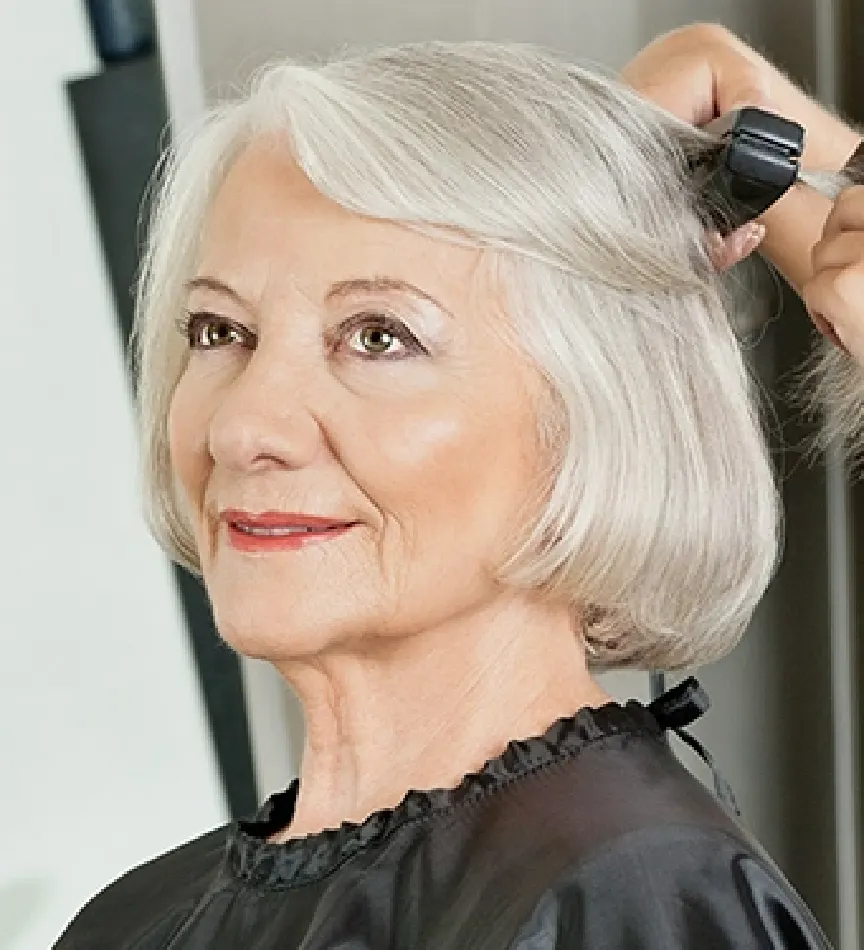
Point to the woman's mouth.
(278, 531)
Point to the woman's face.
(350, 371)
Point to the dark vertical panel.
(801, 605)
(222, 686)
(852, 105)
(120, 115)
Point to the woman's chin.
(275, 638)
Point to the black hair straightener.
(756, 162)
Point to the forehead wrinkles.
(282, 287)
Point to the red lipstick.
(271, 531)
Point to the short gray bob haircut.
(658, 518)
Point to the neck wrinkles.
(421, 711)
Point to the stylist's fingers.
(846, 215)
(726, 252)
(700, 72)
(682, 85)
(835, 299)
(845, 249)
(834, 295)
(739, 84)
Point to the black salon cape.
(591, 837)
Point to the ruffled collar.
(305, 860)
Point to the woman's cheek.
(187, 431)
(435, 439)
(388, 380)
(419, 416)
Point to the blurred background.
(126, 727)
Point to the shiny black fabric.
(591, 837)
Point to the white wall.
(105, 755)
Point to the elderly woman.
(440, 397)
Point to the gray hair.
(658, 517)
(830, 389)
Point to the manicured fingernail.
(751, 237)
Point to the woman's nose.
(266, 417)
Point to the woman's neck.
(422, 711)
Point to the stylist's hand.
(703, 71)
(835, 294)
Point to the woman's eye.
(374, 341)
(369, 336)
(381, 337)
(206, 331)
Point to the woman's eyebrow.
(344, 288)
(214, 284)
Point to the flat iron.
(756, 162)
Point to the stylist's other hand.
(835, 294)
(703, 71)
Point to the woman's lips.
(292, 540)
(279, 531)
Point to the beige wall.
(233, 39)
